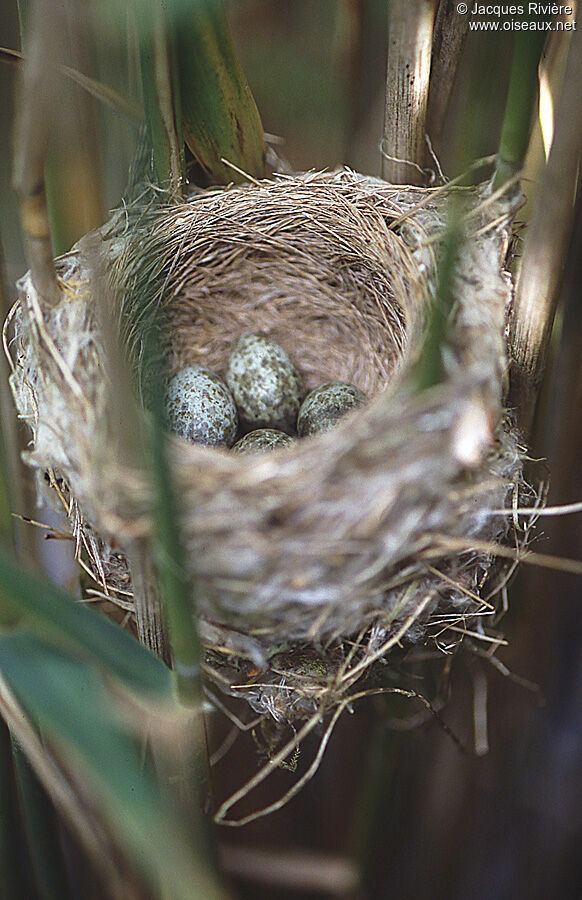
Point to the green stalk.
(221, 120)
(430, 370)
(189, 770)
(8, 616)
(6, 520)
(78, 711)
(42, 831)
(520, 105)
(175, 585)
(161, 95)
(53, 612)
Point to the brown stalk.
(546, 244)
(410, 33)
(31, 145)
(450, 31)
(148, 613)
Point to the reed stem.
(520, 105)
(546, 243)
(410, 30)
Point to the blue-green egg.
(200, 408)
(325, 405)
(266, 385)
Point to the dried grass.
(311, 564)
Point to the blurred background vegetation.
(420, 818)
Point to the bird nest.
(312, 563)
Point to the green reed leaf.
(519, 108)
(220, 117)
(70, 621)
(69, 701)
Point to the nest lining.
(338, 537)
(304, 262)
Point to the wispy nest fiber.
(342, 538)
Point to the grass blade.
(430, 368)
(97, 89)
(69, 621)
(70, 703)
(169, 556)
(6, 529)
(6, 520)
(160, 86)
(521, 99)
(220, 117)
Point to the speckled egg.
(200, 408)
(266, 386)
(262, 441)
(325, 405)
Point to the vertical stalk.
(165, 608)
(430, 370)
(127, 448)
(37, 93)
(189, 771)
(520, 104)
(546, 243)
(410, 31)
(73, 176)
(221, 120)
(161, 96)
(450, 31)
(12, 471)
(170, 562)
(6, 522)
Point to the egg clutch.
(261, 404)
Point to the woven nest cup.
(309, 563)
